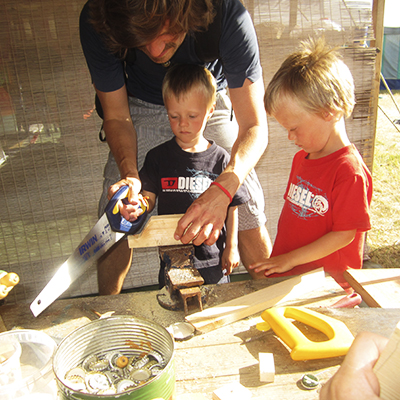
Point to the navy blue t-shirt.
(238, 60)
(178, 177)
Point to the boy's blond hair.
(316, 77)
(183, 78)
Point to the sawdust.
(182, 275)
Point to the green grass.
(384, 238)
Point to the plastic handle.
(117, 222)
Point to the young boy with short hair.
(179, 170)
(327, 199)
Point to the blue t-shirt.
(178, 178)
(238, 60)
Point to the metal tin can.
(131, 336)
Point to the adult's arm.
(204, 219)
(356, 379)
(121, 138)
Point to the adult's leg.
(152, 128)
(113, 267)
(254, 246)
(254, 241)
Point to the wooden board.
(387, 368)
(234, 310)
(158, 231)
(379, 287)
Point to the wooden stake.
(378, 287)
(242, 307)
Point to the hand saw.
(109, 229)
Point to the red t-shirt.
(332, 193)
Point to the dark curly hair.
(128, 24)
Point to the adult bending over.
(128, 47)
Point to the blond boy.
(327, 199)
(179, 170)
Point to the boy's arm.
(151, 199)
(230, 257)
(322, 247)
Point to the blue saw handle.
(117, 222)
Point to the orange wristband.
(223, 189)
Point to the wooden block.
(379, 287)
(387, 368)
(158, 231)
(267, 367)
(232, 391)
(242, 307)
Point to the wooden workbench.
(209, 361)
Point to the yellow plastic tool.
(339, 336)
(7, 282)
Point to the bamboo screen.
(50, 155)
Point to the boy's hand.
(129, 210)
(274, 265)
(230, 259)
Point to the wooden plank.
(378, 13)
(236, 309)
(379, 287)
(387, 368)
(158, 231)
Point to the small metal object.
(96, 381)
(89, 361)
(156, 370)
(181, 330)
(140, 375)
(125, 385)
(114, 372)
(99, 365)
(141, 362)
(76, 374)
(309, 381)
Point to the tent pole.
(390, 92)
(387, 116)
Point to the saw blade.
(100, 239)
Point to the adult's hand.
(131, 210)
(204, 219)
(121, 139)
(356, 379)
